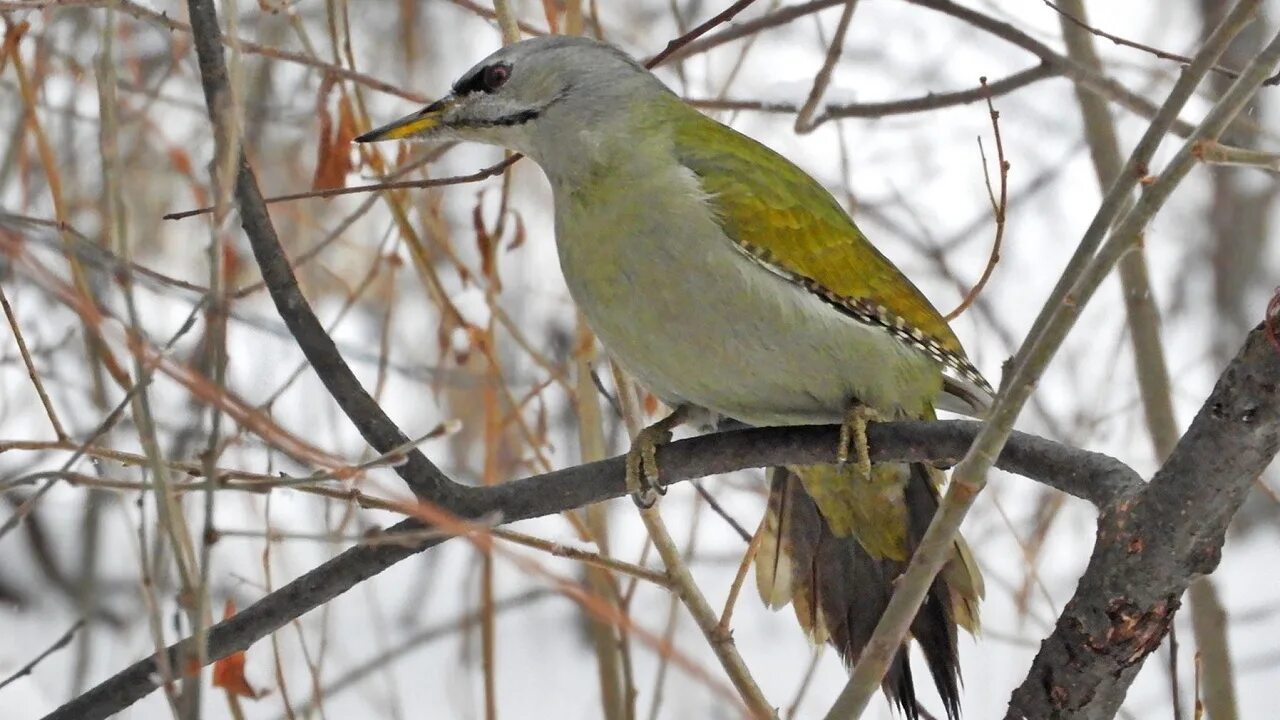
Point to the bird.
(731, 284)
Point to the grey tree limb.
(1142, 314)
(1175, 533)
(1152, 544)
(1091, 476)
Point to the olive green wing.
(784, 219)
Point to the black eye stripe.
(518, 118)
(468, 84)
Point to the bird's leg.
(853, 433)
(642, 460)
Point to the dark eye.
(495, 76)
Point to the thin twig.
(489, 14)
(57, 645)
(672, 47)
(938, 101)
(617, 694)
(1092, 81)
(1216, 153)
(777, 18)
(482, 174)
(805, 682)
(999, 209)
(506, 22)
(162, 19)
(586, 557)
(1079, 21)
(479, 534)
(108, 422)
(888, 108)
(412, 642)
(103, 323)
(685, 587)
(718, 509)
(803, 124)
(30, 366)
(726, 616)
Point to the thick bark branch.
(1153, 543)
(1094, 477)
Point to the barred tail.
(839, 586)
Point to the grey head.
(548, 97)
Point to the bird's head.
(542, 97)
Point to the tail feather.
(934, 626)
(803, 545)
(773, 561)
(964, 580)
(839, 589)
(853, 590)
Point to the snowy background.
(913, 182)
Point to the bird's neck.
(617, 147)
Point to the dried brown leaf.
(333, 151)
(228, 673)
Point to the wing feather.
(789, 223)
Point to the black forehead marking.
(469, 83)
(474, 82)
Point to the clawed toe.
(643, 480)
(853, 434)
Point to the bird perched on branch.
(725, 279)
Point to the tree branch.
(1084, 76)
(422, 476)
(1151, 545)
(886, 108)
(1053, 62)
(1056, 319)
(1092, 476)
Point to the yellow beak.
(413, 125)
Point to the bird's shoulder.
(783, 218)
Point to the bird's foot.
(853, 434)
(643, 481)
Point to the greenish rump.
(724, 277)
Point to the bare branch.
(57, 645)
(923, 103)
(482, 174)
(1058, 315)
(377, 429)
(1151, 546)
(720, 18)
(1216, 153)
(999, 209)
(1077, 19)
(1097, 478)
